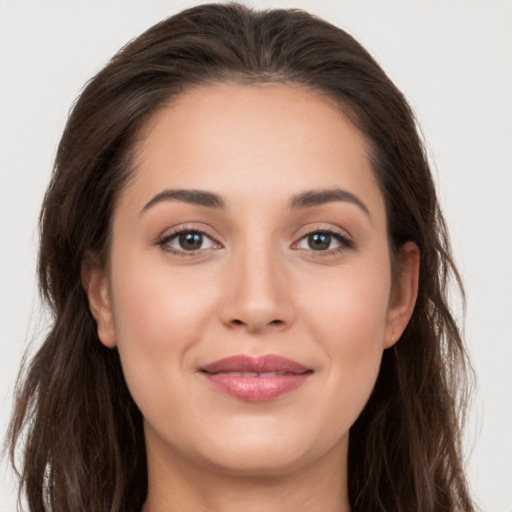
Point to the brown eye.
(190, 241)
(329, 242)
(319, 241)
(187, 241)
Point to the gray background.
(453, 60)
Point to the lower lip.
(256, 389)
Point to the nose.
(256, 293)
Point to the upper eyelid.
(174, 234)
(322, 228)
(339, 236)
(192, 228)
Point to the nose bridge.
(256, 292)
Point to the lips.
(256, 379)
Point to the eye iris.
(319, 241)
(190, 241)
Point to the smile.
(256, 379)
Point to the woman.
(244, 253)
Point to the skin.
(256, 286)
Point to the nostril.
(238, 322)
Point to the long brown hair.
(82, 435)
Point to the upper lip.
(259, 364)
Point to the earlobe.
(404, 292)
(96, 286)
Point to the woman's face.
(253, 226)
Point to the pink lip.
(266, 377)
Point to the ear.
(404, 292)
(96, 285)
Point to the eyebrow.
(210, 200)
(197, 197)
(320, 197)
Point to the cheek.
(155, 303)
(348, 322)
(159, 315)
(348, 308)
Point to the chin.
(265, 459)
(262, 450)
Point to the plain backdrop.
(452, 59)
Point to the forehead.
(267, 139)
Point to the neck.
(178, 486)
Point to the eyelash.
(164, 241)
(341, 237)
(344, 242)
